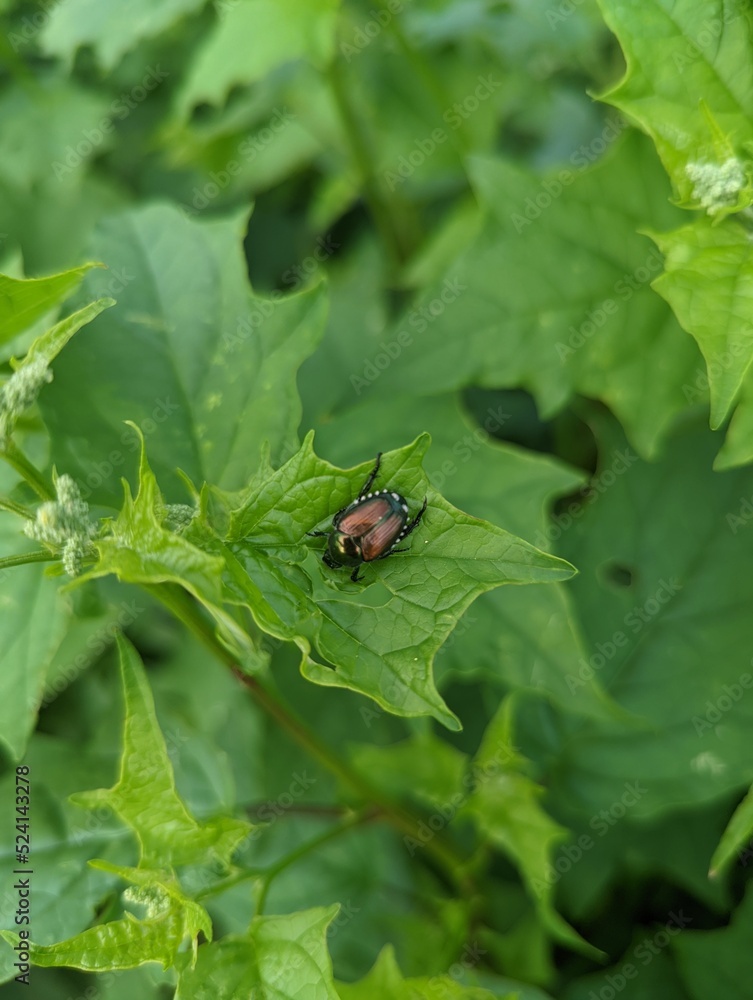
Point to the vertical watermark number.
(23, 872)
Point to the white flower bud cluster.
(64, 524)
(19, 392)
(178, 516)
(717, 185)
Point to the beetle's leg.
(372, 476)
(390, 553)
(354, 575)
(412, 525)
(317, 534)
(337, 516)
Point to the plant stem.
(434, 86)
(15, 457)
(229, 883)
(311, 845)
(390, 223)
(16, 508)
(452, 863)
(26, 557)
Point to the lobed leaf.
(680, 53)
(145, 797)
(383, 648)
(554, 296)
(283, 957)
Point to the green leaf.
(145, 797)
(109, 28)
(663, 599)
(718, 962)
(50, 344)
(253, 38)
(380, 643)
(34, 619)
(555, 299)
(612, 846)
(680, 53)
(138, 549)
(737, 835)
(518, 637)
(708, 281)
(205, 368)
(22, 301)
(127, 943)
(282, 957)
(67, 891)
(386, 982)
(423, 766)
(738, 444)
(43, 128)
(506, 805)
(645, 970)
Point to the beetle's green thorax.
(344, 550)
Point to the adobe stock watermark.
(364, 35)
(465, 623)
(551, 188)
(270, 811)
(743, 516)
(419, 319)
(310, 941)
(120, 109)
(624, 288)
(101, 471)
(444, 813)
(32, 24)
(706, 38)
(438, 986)
(601, 823)
(731, 695)
(249, 323)
(454, 117)
(223, 7)
(560, 13)
(643, 954)
(597, 486)
(96, 644)
(721, 362)
(175, 740)
(634, 621)
(745, 854)
(464, 449)
(246, 152)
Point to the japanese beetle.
(368, 528)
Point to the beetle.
(368, 528)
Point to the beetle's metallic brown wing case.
(364, 515)
(382, 536)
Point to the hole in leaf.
(618, 575)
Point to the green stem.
(16, 508)
(390, 223)
(302, 809)
(26, 557)
(229, 883)
(311, 845)
(184, 608)
(458, 137)
(16, 458)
